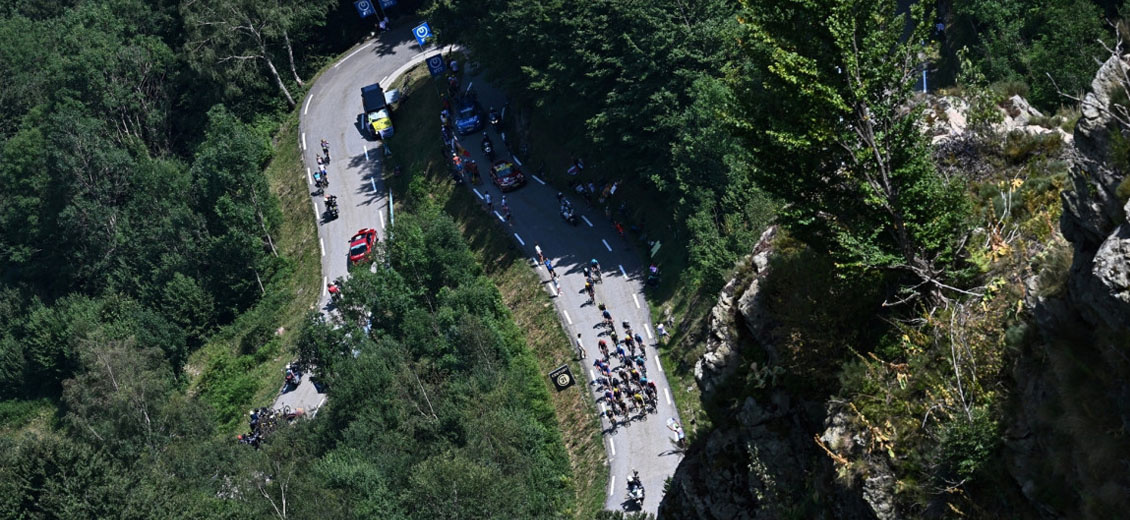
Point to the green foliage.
(823, 99)
(966, 444)
(1040, 45)
(439, 403)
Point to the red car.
(362, 244)
(506, 175)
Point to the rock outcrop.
(722, 343)
(1094, 216)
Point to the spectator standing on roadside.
(549, 267)
(537, 249)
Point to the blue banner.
(436, 65)
(364, 8)
(423, 33)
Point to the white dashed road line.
(350, 55)
(325, 285)
(520, 241)
(584, 218)
(536, 178)
(303, 141)
(307, 108)
(612, 448)
(567, 318)
(516, 159)
(309, 177)
(612, 484)
(322, 246)
(592, 376)
(381, 218)
(480, 195)
(658, 364)
(606, 245)
(500, 219)
(315, 210)
(637, 300)
(667, 395)
(366, 152)
(623, 272)
(648, 329)
(374, 183)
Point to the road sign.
(423, 33)
(365, 8)
(388, 3)
(436, 66)
(562, 377)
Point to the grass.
(241, 366)
(425, 186)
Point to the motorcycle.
(331, 207)
(495, 120)
(488, 147)
(293, 377)
(636, 491)
(568, 214)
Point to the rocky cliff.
(1064, 429)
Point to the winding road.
(330, 112)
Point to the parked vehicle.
(378, 115)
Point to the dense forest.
(137, 224)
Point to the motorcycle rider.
(488, 146)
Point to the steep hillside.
(1007, 399)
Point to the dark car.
(506, 175)
(468, 115)
(361, 245)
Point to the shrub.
(967, 442)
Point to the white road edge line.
(512, 156)
(606, 245)
(611, 485)
(592, 376)
(350, 55)
(536, 178)
(622, 271)
(612, 448)
(477, 193)
(309, 177)
(567, 318)
(658, 364)
(307, 107)
(325, 285)
(366, 152)
(315, 204)
(667, 395)
(322, 245)
(500, 219)
(374, 183)
(648, 329)
(520, 241)
(586, 219)
(637, 300)
(303, 141)
(601, 408)
(381, 218)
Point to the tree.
(826, 108)
(228, 37)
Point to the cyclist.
(607, 317)
(596, 269)
(590, 291)
(603, 349)
(326, 149)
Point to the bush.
(967, 443)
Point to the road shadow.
(631, 505)
(398, 33)
(370, 169)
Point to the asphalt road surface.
(330, 112)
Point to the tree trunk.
(278, 79)
(290, 55)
